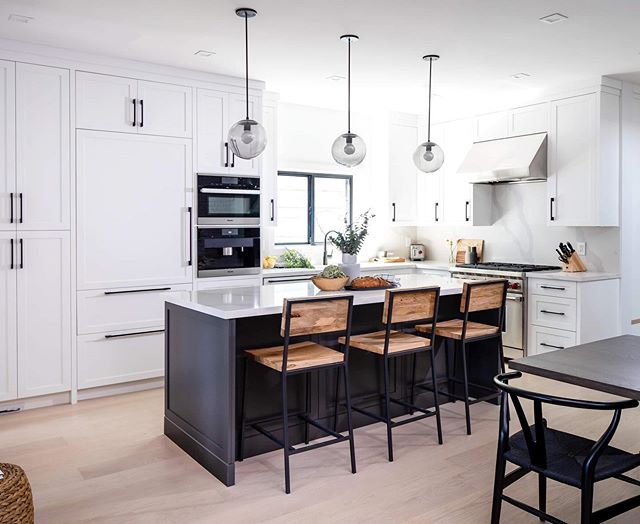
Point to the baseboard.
(120, 389)
(55, 399)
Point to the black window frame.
(311, 177)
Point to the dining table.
(611, 365)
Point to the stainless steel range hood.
(515, 159)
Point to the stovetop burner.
(506, 266)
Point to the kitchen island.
(204, 342)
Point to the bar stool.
(481, 296)
(401, 307)
(304, 317)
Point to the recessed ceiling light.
(20, 18)
(203, 52)
(519, 76)
(336, 78)
(553, 18)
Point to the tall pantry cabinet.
(35, 221)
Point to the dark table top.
(611, 365)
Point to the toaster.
(416, 252)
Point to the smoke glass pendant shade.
(348, 149)
(428, 157)
(247, 139)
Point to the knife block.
(575, 264)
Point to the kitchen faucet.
(324, 252)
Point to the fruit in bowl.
(332, 278)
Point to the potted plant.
(350, 241)
(331, 278)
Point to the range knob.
(514, 285)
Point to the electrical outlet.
(581, 248)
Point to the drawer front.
(103, 361)
(125, 309)
(217, 282)
(552, 288)
(552, 312)
(543, 340)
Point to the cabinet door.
(269, 180)
(106, 102)
(44, 313)
(403, 139)
(8, 339)
(429, 186)
(7, 146)
(212, 115)
(165, 109)
(491, 126)
(133, 224)
(457, 191)
(573, 160)
(42, 147)
(238, 111)
(529, 119)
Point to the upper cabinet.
(127, 105)
(7, 146)
(403, 139)
(491, 126)
(529, 119)
(269, 181)
(216, 112)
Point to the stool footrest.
(411, 406)
(317, 445)
(270, 436)
(320, 426)
(473, 400)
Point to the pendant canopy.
(348, 149)
(428, 156)
(247, 138)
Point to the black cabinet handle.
(11, 266)
(122, 292)
(393, 205)
(273, 209)
(21, 254)
(551, 345)
(135, 113)
(119, 335)
(141, 113)
(233, 159)
(226, 158)
(557, 288)
(21, 215)
(466, 211)
(190, 261)
(11, 203)
(552, 312)
(551, 202)
(436, 211)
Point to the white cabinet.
(584, 160)
(529, 119)
(269, 180)
(8, 317)
(491, 126)
(216, 112)
(7, 146)
(113, 103)
(42, 148)
(403, 139)
(43, 312)
(132, 210)
(430, 187)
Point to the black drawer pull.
(141, 113)
(21, 214)
(21, 266)
(436, 211)
(12, 265)
(136, 291)
(226, 153)
(551, 345)
(551, 312)
(273, 209)
(120, 335)
(135, 113)
(553, 287)
(466, 211)
(393, 205)
(551, 202)
(11, 198)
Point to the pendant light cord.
(429, 111)
(246, 61)
(349, 85)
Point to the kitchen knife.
(565, 250)
(562, 258)
(571, 248)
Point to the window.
(309, 205)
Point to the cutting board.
(463, 244)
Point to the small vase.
(350, 266)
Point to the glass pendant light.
(348, 149)
(247, 138)
(428, 156)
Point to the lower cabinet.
(544, 339)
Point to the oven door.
(513, 335)
(228, 206)
(224, 251)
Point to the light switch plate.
(581, 248)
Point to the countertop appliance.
(514, 335)
(228, 200)
(227, 251)
(417, 252)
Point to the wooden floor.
(107, 461)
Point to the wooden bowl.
(329, 284)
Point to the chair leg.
(243, 408)
(586, 502)
(445, 343)
(435, 394)
(285, 433)
(307, 405)
(337, 397)
(466, 385)
(542, 494)
(498, 486)
(501, 354)
(413, 383)
(387, 409)
(347, 392)
(454, 344)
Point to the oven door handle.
(515, 298)
(208, 190)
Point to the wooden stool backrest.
(483, 295)
(408, 305)
(309, 316)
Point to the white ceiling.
(295, 44)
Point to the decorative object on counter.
(370, 283)
(568, 256)
(428, 156)
(16, 502)
(348, 149)
(269, 262)
(417, 252)
(292, 258)
(247, 138)
(471, 255)
(350, 241)
(332, 278)
(388, 260)
(462, 247)
(452, 257)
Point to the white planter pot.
(350, 266)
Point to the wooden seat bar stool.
(486, 297)
(304, 317)
(401, 307)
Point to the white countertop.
(586, 276)
(251, 301)
(364, 266)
